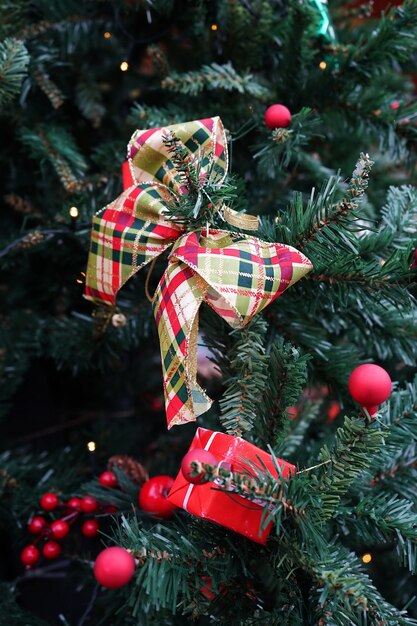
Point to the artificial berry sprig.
(48, 533)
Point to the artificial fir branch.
(331, 216)
(14, 59)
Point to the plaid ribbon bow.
(237, 275)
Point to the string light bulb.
(74, 212)
(91, 446)
(214, 27)
(107, 35)
(322, 65)
(367, 557)
(124, 66)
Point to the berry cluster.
(49, 532)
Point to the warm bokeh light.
(74, 212)
(91, 445)
(367, 558)
(214, 27)
(322, 65)
(107, 35)
(124, 66)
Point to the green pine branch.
(212, 77)
(14, 60)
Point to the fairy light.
(124, 66)
(80, 281)
(367, 558)
(107, 35)
(322, 65)
(74, 212)
(91, 446)
(214, 27)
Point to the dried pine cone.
(129, 466)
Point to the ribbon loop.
(237, 275)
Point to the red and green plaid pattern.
(150, 160)
(237, 275)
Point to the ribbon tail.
(177, 301)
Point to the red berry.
(108, 479)
(89, 504)
(153, 497)
(60, 529)
(369, 384)
(333, 411)
(277, 116)
(49, 501)
(51, 550)
(197, 455)
(292, 412)
(29, 555)
(74, 503)
(114, 567)
(36, 525)
(90, 528)
(110, 508)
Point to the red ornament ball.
(49, 501)
(108, 479)
(292, 412)
(153, 497)
(60, 529)
(90, 528)
(36, 525)
(89, 504)
(30, 555)
(198, 455)
(74, 503)
(114, 567)
(51, 550)
(369, 384)
(277, 116)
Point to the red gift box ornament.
(237, 275)
(230, 510)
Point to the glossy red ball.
(36, 525)
(90, 528)
(292, 412)
(108, 479)
(153, 497)
(89, 504)
(114, 567)
(277, 116)
(29, 555)
(51, 550)
(369, 384)
(74, 503)
(198, 455)
(60, 529)
(49, 501)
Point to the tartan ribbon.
(237, 275)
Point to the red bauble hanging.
(60, 529)
(30, 555)
(108, 479)
(114, 567)
(277, 116)
(90, 528)
(51, 550)
(197, 455)
(89, 504)
(153, 497)
(49, 501)
(369, 385)
(36, 525)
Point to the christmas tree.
(269, 175)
